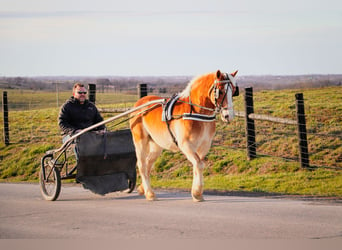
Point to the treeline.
(290, 82)
(104, 84)
(163, 84)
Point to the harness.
(168, 106)
(168, 110)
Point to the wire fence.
(323, 131)
(33, 118)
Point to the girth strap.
(167, 114)
(172, 135)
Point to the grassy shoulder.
(263, 175)
(317, 183)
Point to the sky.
(169, 38)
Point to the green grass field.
(34, 130)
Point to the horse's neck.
(199, 94)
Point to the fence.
(250, 116)
(5, 116)
(313, 134)
(264, 135)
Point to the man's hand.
(100, 132)
(77, 131)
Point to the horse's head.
(221, 94)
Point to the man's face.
(80, 93)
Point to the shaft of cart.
(71, 139)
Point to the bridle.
(228, 88)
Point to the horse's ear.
(234, 73)
(218, 74)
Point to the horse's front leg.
(198, 166)
(197, 182)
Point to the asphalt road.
(79, 214)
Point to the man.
(78, 113)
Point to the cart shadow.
(73, 193)
(164, 196)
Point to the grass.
(313, 183)
(33, 132)
(319, 183)
(234, 172)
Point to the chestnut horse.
(190, 129)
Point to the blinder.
(217, 93)
(235, 87)
(236, 93)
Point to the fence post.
(5, 112)
(301, 123)
(57, 95)
(250, 127)
(92, 92)
(142, 90)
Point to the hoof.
(140, 190)
(150, 196)
(197, 197)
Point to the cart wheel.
(132, 182)
(50, 187)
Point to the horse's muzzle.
(227, 115)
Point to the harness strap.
(199, 117)
(172, 135)
(168, 108)
(196, 105)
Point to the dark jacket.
(74, 115)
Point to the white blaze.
(230, 103)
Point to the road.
(79, 214)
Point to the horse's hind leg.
(147, 153)
(154, 153)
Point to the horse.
(190, 128)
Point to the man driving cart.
(105, 160)
(78, 113)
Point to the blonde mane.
(186, 92)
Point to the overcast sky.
(174, 37)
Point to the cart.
(104, 163)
